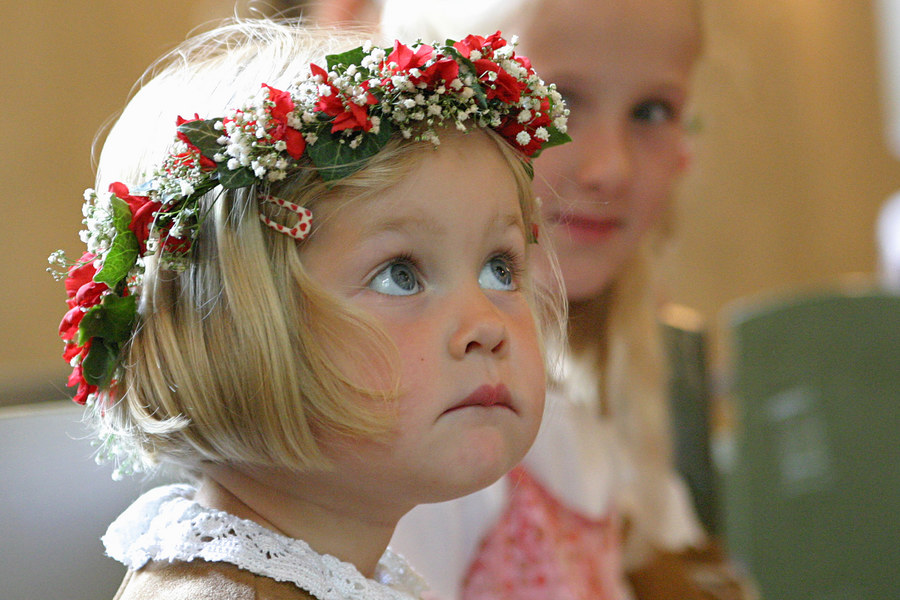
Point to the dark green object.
(812, 499)
(689, 408)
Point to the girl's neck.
(328, 527)
(589, 322)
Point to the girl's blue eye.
(498, 274)
(397, 279)
(653, 111)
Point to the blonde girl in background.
(597, 497)
(311, 291)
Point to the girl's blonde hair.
(234, 358)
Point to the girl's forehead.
(589, 34)
(466, 183)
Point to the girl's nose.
(606, 162)
(480, 328)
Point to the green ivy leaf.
(203, 134)
(112, 320)
(239, 178)
(556, 138)
(336, 160)
(122, 255)
(350, 57)
(98, 366)
(121, 214)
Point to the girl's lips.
(588, 230)
(486, 396)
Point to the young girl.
(312, 294)
(597, 496)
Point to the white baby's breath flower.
(522, 138)
(560, 124)
(186, 188)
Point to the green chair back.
(812, 498)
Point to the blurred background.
(796, 151)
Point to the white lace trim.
(165, 524)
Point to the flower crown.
(337, 118)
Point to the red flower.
(347, 115)
(510, 128)
(494, 41)
(143, 212)
(83, 292)
(284, 105)
(444, 69)
(80, 273)
(525, 62)
(84, 388)
(504, 87)
(68, 327)
(206, 164)
(406, 59)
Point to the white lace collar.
(165, 524)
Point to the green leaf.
(239, 178)
(98, 366)
(203, 134)
(556, 138)
(112, 319)
(350, 57)
(122, 255)
(121, 213)
(336, 160)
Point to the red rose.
(80, 273)
(406, 59)
(72, 350)
(471, 42)
(510, 128)
(84, 388)
(347, 115)
(68, 327)
(355, 117)
(505, 87)
(143, 212)
(494, 41)
(445, 69)
(525, 62)
(284, 105)
(207, 164)
(90, 293)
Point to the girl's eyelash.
(515, 262)
(403, 258)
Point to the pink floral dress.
(541, 549)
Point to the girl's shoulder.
(202, 580)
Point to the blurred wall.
(791, 164)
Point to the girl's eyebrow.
(434, 226)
